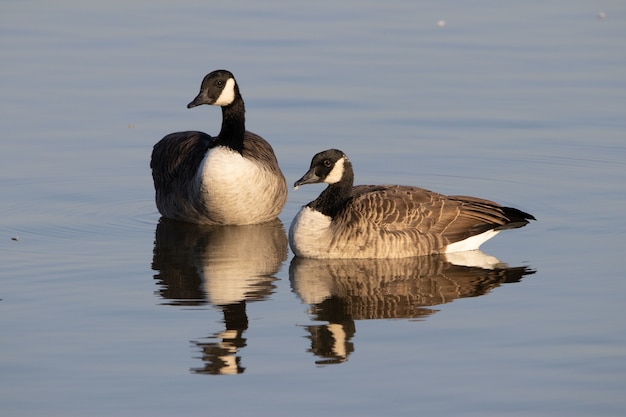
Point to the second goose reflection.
(226, 266)
(341, 291)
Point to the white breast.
(309, 234)
(234, 188)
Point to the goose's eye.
(219, 83)
(327, 163)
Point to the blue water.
(105, 310)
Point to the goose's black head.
(218, 88)
(330, 166)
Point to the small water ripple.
(56, 211)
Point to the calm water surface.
(107, 310)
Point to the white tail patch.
(471, 243)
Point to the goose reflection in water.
(340, 291)
(225, 266)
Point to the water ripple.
(60, 209)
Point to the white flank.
(337, 173)
(228, 94)
(308, 234)
(471, 243)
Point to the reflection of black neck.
(235, 317)
(219, 356)
(335, 311)
(335, 196)
(233, 125)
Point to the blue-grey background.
(520, 102)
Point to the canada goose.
(389, 221)
(230, 179)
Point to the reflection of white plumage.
(389, 221)
(226, 264)
(238, 261)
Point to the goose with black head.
(389, 221)
(230, 179)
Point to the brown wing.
(396, 208)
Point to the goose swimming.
(389, 221)
(230, 179)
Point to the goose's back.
(398, 207)
(259, 150)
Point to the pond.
(107, 309)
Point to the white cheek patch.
(228, 94)
(336, 174)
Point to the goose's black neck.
(335, 197)
(233, 125)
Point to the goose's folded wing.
(396, 208)
(178, 155)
